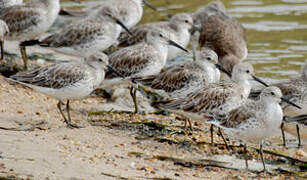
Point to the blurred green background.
(276, 30)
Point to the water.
(276, 30)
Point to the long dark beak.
(173, 43)
(260, 81)
(221, 68)
(123, 26)
(149, 5)
(289, 102)
(116, 72)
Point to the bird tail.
(30, 42)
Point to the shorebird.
(212, 8)
(222, 33)
(84, 37)
(254, 121)
(7, 3)
(144, 59)
(29, 21)
(182, 79)
(130, 11)
(178, 28)
(214, 98)
(294, 89)
(4, 30)
(66, 80)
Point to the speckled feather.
(78, 33)
(30, 19)
(183, 78)
(210, 99)
(20, 17)
(56, 76)
(213, 98)
(254, 121)
(132, 60)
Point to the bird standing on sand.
(29, 21)
(214, 98)
(84, 37)
(294, 89)
(254, 121)
(143, 59)
(66, 80)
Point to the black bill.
(123, 26)
(289, 102)
(149, 5)
(170, 42)
(222, 69)
(260, 81)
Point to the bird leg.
(2, 50)
(60, 109)
(188, 121)
(211, 132)
(227, 147)
(69, 122)
(298, 135)
(133, 95)
(245, 156)
(24, 57)
(262, 159)
(283, 134)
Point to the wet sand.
(36, 144)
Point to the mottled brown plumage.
(56, 76)
(223, 34)
(214, 98)
(179, 80)
(131, 62)
(75, 34)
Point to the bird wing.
(55, 76)
(173, 78)
(78, 33)
(207, 100)
(19, 17)
(131, 60)
(234, 118)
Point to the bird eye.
(247, 71)
(272, 93)
(160, 35)
(100, 60)
(186, 21)
(209, 58)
